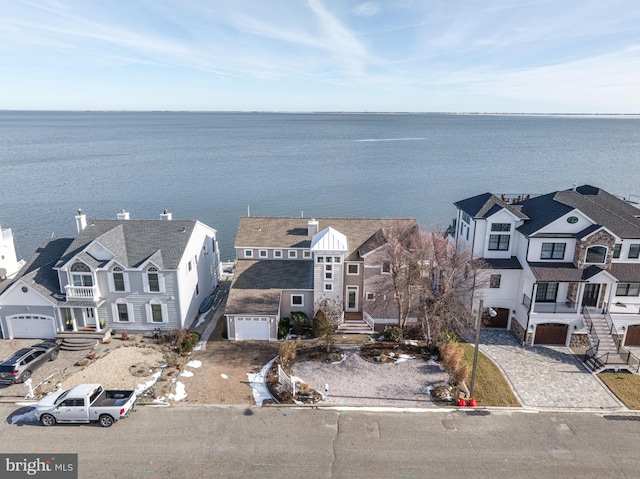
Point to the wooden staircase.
(354, 324)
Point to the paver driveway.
(546, 376)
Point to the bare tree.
(328, 314)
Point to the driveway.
(549, 377)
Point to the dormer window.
(616, 250)
(81, 275)
(634, 251)
(552, 251)
(500, 242)
(596, 254)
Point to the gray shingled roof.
(39, 272)
(626, 272)
(562, 272)
(510, 263)
(282, 232)
(134, 241)
(257, 284)
(487, 204)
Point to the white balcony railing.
(82, 292)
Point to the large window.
(81, 275)
(118, 279)
(596, 254)
(547, 292)
(634, 251)
(499, 242)
(156, 313)
(628, 289)
(500, 226)
(154, 280)
(123, 312)
(552, 251)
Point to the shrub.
(413, 331)
(300, 322)
(180, 339)
(451, 358)
(321, 327)
(287, 353)
(189, 342)
(284, 325)
(393, 334)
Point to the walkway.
(550, 377)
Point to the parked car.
(20, 365)
(86, 403)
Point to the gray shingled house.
(286, 264)
(123, 274)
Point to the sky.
(545, 56)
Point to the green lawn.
(625, 386)
(491, 387)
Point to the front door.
(90, 317)
(590, 296)
(352, 299)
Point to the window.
(293, 253)
(634, 251)
(328, 271)
(123, 312)
(337, 259)
(81, 275)
(306, 254)
(118, 279)
(499, 242)
(277, 253)
(320, 259)
(616, 250)
(500, 226)
(297, 300)
(596, 254)
(386, 267)
(328, 259)
(248, 253)
(552, 251)
(370, 296)
(156, 313)
(197, 290)
(328, 286)
(263, 253)
(353, 268)
(547, 292)
(628, 289)
(466, 218)
(494, 281)
(154, 280)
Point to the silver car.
(18, 367)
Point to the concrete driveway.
(546, 377)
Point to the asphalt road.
(279, 442)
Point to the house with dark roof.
(563, 268)
(286, 265)
(123, 274)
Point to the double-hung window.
(552, 251)
(154, 280)
(628, 289)
(634, 251)
(547, 292)
(118, 279)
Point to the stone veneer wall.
(572, 293)
(517, 330)
(579, 340)
(601, 238)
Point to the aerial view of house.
(286, 265)
(560, 265)
(124, 274)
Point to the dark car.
(18, 367)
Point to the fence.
(288, 382)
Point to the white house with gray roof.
(127, 275)
(563, 268)
(287, 264)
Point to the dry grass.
(491, 388)
(625, 386)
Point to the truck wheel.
(106, 420)
(48, 420)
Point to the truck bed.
(112, 397)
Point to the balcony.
(82, 293)
(564, 307)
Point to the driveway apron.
(549, 377)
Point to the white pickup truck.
(85, 403)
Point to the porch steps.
(354, 326)
(78, 344)
(607, 348)
(80, 340)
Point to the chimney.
(81, 220)
(312, 227)
(165, 215)
(123, 215)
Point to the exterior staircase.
(354, 323)
(604, 352)
(81, 340)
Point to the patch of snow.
(432, 362)
(186, 374)
(180, 393)
(404, 357)
(344, 357)
(224, 376)
(201, 319)
(411, 342)
(258, 384)
(144, 386)
(194, 363)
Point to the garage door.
(551, 334)
(32, 327)
(252, 328)
(633, 336)
(500, 320)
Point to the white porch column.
(95, 315)
(73, 319)
(580, 296)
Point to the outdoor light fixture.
(493, 314)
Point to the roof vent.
(123, 215)
(166, 215)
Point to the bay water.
(218, 166)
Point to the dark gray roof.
(39, 272)
(562, 272)
(286, 232)
(257, 285)
(487, 204)
(626, 272)
(603, 208)
(134, 241)
(510, 263)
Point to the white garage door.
(252, 328)
(32, 327)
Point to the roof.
(39, 272)
(605, 209)
(562, 272)
(134, 241)
(257, 285)
(626, 272)
(329, 239)
(510, 263)
(487, 204)
(286, 232)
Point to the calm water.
(213, 166)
